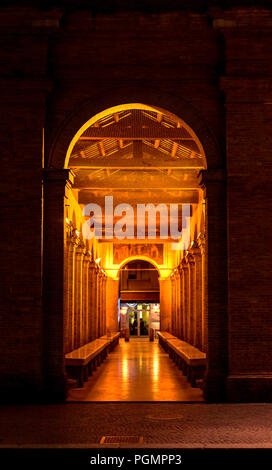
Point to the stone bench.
(82, 361)
(113, 338)
(191, 360)
(163, 337)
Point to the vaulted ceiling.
(137, 137)
(138, 156)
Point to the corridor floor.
(138, 370)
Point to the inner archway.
(139, 294)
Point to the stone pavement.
(160, 424)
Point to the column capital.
(79, 248)
(176, 273)
(184, 263)
(180, 268)
(93, 264)
(73, 238)
(190, 258)
(201, 242)
(195, 249)
(100, 274)
(86, 256)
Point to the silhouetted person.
(142, 327)
(134, 327)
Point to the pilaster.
(56, 183)
(213, 183)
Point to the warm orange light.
(125, 368)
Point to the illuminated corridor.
(138, 370)
(133, 258)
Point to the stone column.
(99, 306)
(165, 304)
(92, 301)
(104, 302)
(199, 293)
(85, 295)
(69, 273)
(78, 295)
(57, 184)
(181, 305)
(192, 299)
(214, 185)
(97, 298)
(181, 313)
(176, 303)
(177, 279)
(204, 297)
(66, 293)
(185, 298)
(112, 289)
(173, 303)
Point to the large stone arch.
(149, 96)
(212, 182)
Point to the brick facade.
(58, 68)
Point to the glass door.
(138, 317)
(143, 321)
(133, 322)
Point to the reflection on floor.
(138, 370)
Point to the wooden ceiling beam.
(134, 197)
(159, 117)
(135, 132)
(101, 148)
(130, 163)
(133, 182)
(147, 148)
(174, 149)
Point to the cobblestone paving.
(160, 424)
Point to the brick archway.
(212, 182)
(150, 96)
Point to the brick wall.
(51, 64)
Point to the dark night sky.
(107, 6)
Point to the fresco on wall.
(123, 251)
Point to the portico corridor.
(138, 370)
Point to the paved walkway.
(160, 424)
(138, 370)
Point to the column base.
(249, 388)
